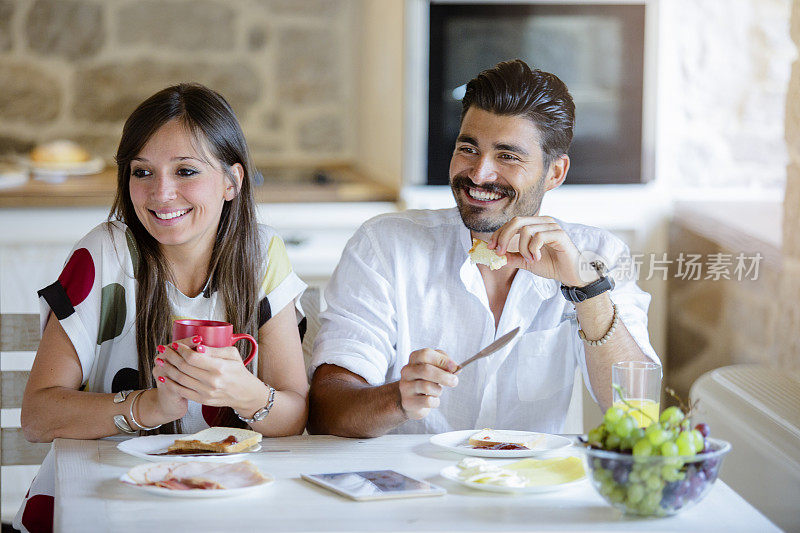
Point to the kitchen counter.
(336, 183)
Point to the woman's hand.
(212, 376)
(168, 402)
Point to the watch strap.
(580, 294)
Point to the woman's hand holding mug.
(205, 367)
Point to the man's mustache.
(463, 181)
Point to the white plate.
(196, 493)
(451, 473)
(142, 447)
(92, 166)
(58, 172)
(456, 441)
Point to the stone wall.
(77, 68)
(788, 339)
(723, 73)
(714, 321)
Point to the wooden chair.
(18, 333)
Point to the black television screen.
(597, 50)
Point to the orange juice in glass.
(640, 385)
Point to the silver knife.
(489, 350)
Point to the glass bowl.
(655, 485)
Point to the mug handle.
(253, 345)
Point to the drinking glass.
(640, 387)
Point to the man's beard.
(484, 219)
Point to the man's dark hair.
(512, 88)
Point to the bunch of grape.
(649, 486)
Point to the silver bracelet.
(119, 420)
(604, 339)
(262, 413)
(133, 418)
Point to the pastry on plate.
(217, 439)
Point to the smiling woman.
(177, 193)
(181, 241)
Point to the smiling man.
(406, 303)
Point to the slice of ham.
(198, 475)
(187, 484)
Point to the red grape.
(703, 428)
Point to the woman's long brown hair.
(236, 258)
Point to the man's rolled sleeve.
(358, 328)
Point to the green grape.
(652, 500)
(653, 483)
(617, 495)
(634, 476)
(643, 448)
(670, 473)
(612, 441)
(674, 462)
(669, 449)
(613, 415)
(699, 441)
(656, 435)
(635, 493)
(625, 427)
(671, 415)
(596, 435)
(637, 434)
(685, 443)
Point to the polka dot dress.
(94, 299)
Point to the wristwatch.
(262, 413)
(580, 294)
(119, 420)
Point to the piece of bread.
(217, 439)
(59, 152)
(479, 254)
(487, 438)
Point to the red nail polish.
(159, 361)
(197, 339)
(174, 345)
(161, 379)
(201, 348)
(161, 348)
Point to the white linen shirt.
(405, 282)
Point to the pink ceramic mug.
(215, 334)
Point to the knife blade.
(489, 350)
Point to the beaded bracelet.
(604, 339)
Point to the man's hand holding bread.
(544, 248)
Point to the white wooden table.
(89, 496)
